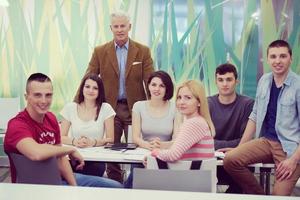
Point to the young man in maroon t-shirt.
(35, 134)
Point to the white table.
(47, 192)
(100, 154)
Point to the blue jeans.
(94, 181)
(128, 182)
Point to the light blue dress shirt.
(287, 123)
(122, 59)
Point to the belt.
(122, 101)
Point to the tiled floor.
(4, 175)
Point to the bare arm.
(36, 152)
(296, 154)
(249, 132)
(109, 130)
(136, 132)
(66, 170)
(64, 130)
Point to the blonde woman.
(195, 138)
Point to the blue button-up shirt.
(287, 124)
(122, 59)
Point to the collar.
(288, 79)
(125, 45)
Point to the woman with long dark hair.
(89, 121)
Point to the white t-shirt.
(92, 128)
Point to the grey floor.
(4, 175)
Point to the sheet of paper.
(219, 154)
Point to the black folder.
(119, 146)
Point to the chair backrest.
(36, 172)
(9, 108)
(179, 176)
(173, 180)
(129, 135)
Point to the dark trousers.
(129, 181)
(225, 179)
(121, 122)
(91, 168)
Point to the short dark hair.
(101, 94)
(167, 81)
(226, 68)
(280, 43)
(39, 77)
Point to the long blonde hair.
(198, 91)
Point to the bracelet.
(73, 141)
(95, 143)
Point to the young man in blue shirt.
(275, 119)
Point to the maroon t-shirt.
(23, 126)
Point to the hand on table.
(155, 143)
(84, 142)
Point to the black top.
(270, 118)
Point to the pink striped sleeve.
(191, 132)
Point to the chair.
(129, 134)
(193, 176)
(9, 108)
(36, 172)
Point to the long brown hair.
(101, 94)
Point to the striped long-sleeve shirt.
(194, 142)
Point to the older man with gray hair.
(124, 65)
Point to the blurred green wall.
(188, 39)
